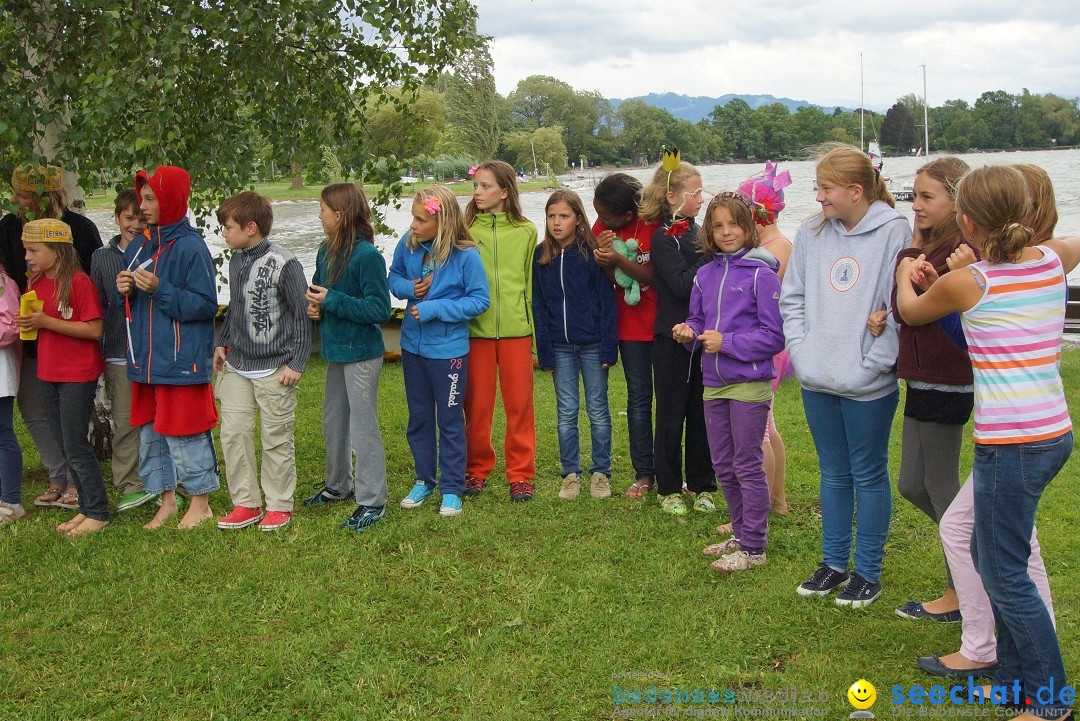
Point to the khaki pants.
(240, 398)
(125, 439)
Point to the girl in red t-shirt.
(68, 323)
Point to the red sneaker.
(474, 486)
(275, 520)
(241, 517)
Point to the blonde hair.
(67, 266)
(1044, 215)
(349, 200)
(947, 171)
(583, 235)
(995, 198)
(506, 179)
(739, 206)
(451, 232)
(654, 204)
(846, 166)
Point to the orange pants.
(510, 359)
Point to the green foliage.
(472, 113)
(547, 143)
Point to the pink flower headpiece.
(472, 170)
(766, 190)
(432, 205)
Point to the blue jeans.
(572, 361)
(852, 442)
(162, 459)
(11, 460)
(637, 368)
(1009, 481)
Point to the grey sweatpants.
(351, 426)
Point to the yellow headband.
(46, 230)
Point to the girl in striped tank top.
(1012, 307)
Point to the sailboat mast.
(862, 106)
(925, 113)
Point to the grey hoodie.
(834, 281)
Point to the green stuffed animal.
(628, 249)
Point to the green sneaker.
(704, 502)
(134, 500)
(673, 504)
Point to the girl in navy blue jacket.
(576, 336)
(438, 272)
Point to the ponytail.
(1005, 245)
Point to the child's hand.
(313, 311)
(926, 276)
(289, 377)
(876, 322)
(315, 295)
(125, 282)
(606, 237)
(962, 257)
(420, 287)
(682, 333)
(605, 255)
(711, 341)
(415, 312)
(219, 358)
(906, 269)
(37, 319)
(145, 281)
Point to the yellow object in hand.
(29, 303)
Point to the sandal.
(639, 488)
(70, 501)
(49, 497)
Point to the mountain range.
(697, 107)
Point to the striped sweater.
(1014, 340)
(266, 325)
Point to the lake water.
(296, 224)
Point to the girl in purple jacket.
(735, 316)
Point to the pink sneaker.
(241, 517)
(275, 520)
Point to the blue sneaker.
(417, 495)
(451, 505)
(363, 517)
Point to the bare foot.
(90, 525)
(195, 515)
(68, 526)
(780, 509)
(962, 663)
(947, 602)
(168, 508)
(723, 529)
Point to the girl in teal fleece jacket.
(350, 298)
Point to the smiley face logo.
(862, 694)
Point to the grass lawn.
(284, 191)
(507, 612)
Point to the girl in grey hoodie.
(841, 270)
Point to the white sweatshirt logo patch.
(844, 274)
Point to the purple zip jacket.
(738, 294)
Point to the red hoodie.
(172, 185)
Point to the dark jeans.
(637, 364)
(677, 379)
(1009, 481)
(435, 393)
(11, 461)
(68, 407)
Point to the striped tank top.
(1014, 340)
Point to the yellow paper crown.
(46, 230)
(670, 163)
(35, 178)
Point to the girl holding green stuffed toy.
(624, 240)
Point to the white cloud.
(803, 51)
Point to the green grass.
(279, 191)
(507, 612)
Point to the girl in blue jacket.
(576, 336)
(438, 272)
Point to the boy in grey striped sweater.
(261, 353)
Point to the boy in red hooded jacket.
(170, 297)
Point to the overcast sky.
(801, 50)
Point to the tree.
(997, 111)
(778, 137)
(740, 128)
(897, 127)
(109, 85)
(404, 128)
(644, 129)
(548, 144)
(541, 101)
(472, 116)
